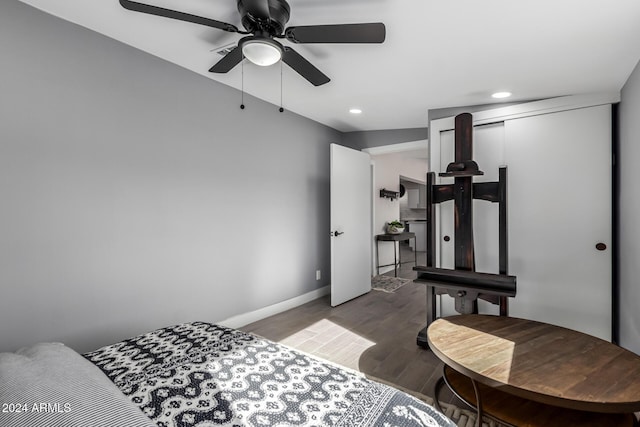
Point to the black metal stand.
(396, 239)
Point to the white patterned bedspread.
(200, 374)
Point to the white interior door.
(350, 224)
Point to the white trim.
(262, 313)
(372, 169)
(546, 106)
(396, 148)
(527, 109)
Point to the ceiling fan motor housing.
(259, 19)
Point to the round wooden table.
(534, 361)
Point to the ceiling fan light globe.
(261, 52)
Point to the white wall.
(629, 160)
(136, 194)
(388, 168)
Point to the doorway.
(413, 213)
(409, 162)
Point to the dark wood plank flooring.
(374, 334)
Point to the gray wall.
(136, 194)
(629, 213)
(376, 138)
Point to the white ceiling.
(437, 54)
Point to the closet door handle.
(601, 246)
(446, 238)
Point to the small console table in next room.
(397, 259)
(529, 374)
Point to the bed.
(196, 374)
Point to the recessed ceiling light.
(501, 95)
(355, 111)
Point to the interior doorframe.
(387, 149)
(372, 211)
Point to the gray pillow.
(51, 385)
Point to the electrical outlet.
(318, 275)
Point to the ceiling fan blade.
(180, 16)
(303, 67)
(229, 61)
(340, 33)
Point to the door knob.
(446, 238)
(337, 233)
(601, 246)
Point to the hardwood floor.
(374, 334)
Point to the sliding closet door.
(559, 190)
(560, 217)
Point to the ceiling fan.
(264, 21)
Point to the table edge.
(602, 407)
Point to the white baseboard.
(253, 316)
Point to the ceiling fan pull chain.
(242, 84)
(281, 109)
